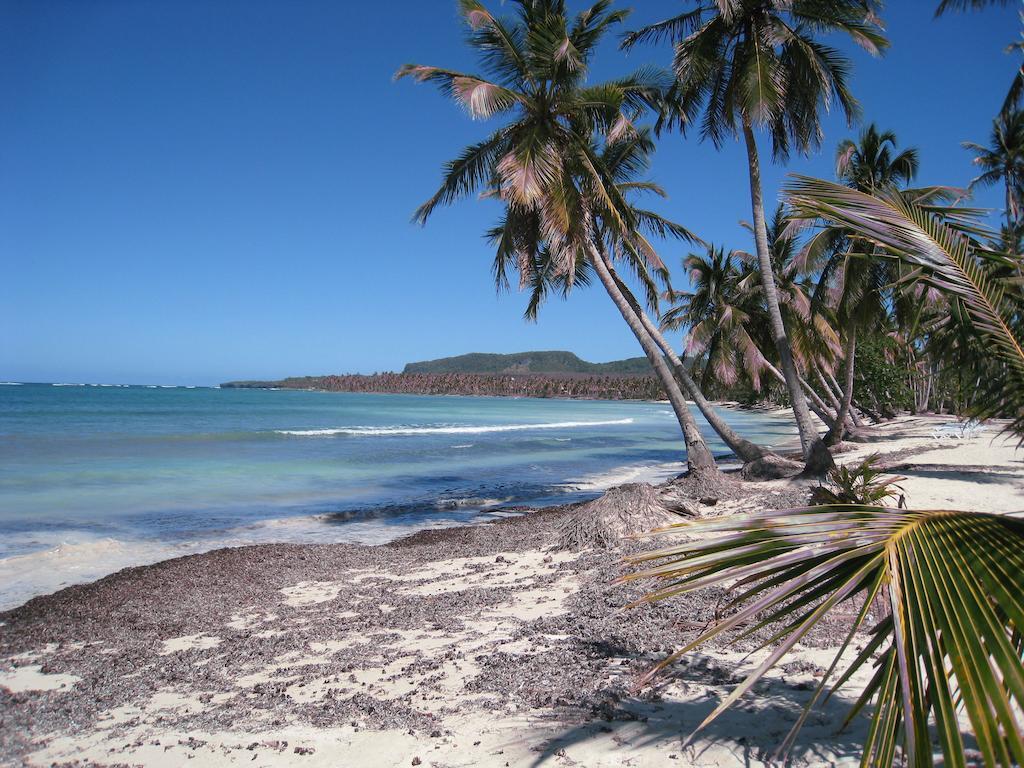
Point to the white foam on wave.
(637, 473)
(449, 430)
(10, 383)
(76, 561)
(469, 502)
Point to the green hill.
(529, 362)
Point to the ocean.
(95, 478)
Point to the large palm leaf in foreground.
(950, 650)
(954, 582)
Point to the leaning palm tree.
(951, 645)
(756, 64)
(811, 335)
(1002, 161)
(560, 200)
(625, 158)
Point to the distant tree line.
(575, 386)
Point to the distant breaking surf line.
(386, 431)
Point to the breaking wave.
(446, 430)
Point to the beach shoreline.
(472, 645)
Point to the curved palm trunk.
(815, 403)
(815, 452)
(698, 456)
(852, 418)
(742, 447)
(836, 433)
(829, 386)
(835, 394)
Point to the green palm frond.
(967, 5)
(760, 64)
(953, 583)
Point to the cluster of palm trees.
(566, 160)
(845, 262)
(567, 163)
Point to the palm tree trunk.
(826, 387)
(927, 391)
(743, 448)
(814, 450)
(698, 456)
(815, 403)
(836, 433)
(835, 385)
(1011, 206)
(835, 392)
(854, 416)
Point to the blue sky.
(197, 191)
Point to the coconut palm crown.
(718, 312)
(758, 62)
(542, 162)
(1002, 161)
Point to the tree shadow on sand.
(657, 724)
(663, 717)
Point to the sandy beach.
(472, 646)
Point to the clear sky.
(197, 191)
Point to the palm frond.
(480, 97)
(967, 5)
(955, 588)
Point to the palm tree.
(560, 199)
(1003, 161)
(718, 313)
(860, 282)
(624, 159)
(952, 642)
(751, 64)
(812, 338)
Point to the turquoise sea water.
(95, 478)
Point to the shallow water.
(97, 478)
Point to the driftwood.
(628, 510)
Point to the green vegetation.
(528, 362)
(863, 483)
(952, 582)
